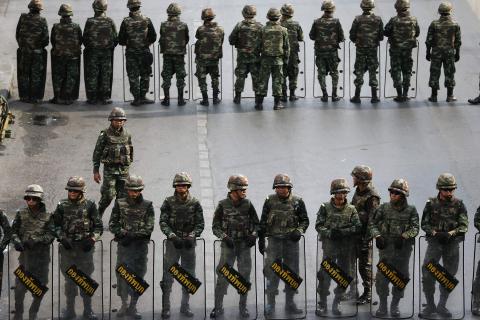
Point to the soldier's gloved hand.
(335, 234)
(442, 237)
(19, 247)
(380, 242)
(88, 244)
(251, 240)
(261, 245)
(428, 56)
(229, 242)
(189, 242)
(295, 235)
(28, 244)
(177, 242)
(127, 240)
(67, 244)
(398, 244)
(457, 55)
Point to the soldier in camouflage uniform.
(445, 222)
(366, 33)
(31, 235)
(100, 39)
(402, 32)
(132, 221)
(174, 39)
(115, 150)
(181, 220)
(327, 33)
(476, 281)
(244, 38)
(274, 47)
(66, 38)
(32, 38)
(337, 222)
(394, 227)
(208, 52)
(235, 222)
(443, 47)
(284, 220)
(295, 35)
(366, 200)
(6, 233)
(137, 34)
(77, 226)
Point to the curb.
(6, 79)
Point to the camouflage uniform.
(100, 39)
(208, 52)
(6, 232)
(476, 281)
(32, 38)
(137, 34)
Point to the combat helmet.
(339, 186)
(117, 113)
(446, 181)
(237, 182)
(445, 7)
(367, 4)
(400, 185)
(100, 5)
(34, 190)
(208, 14)
(402, 5)
(36, 5)
(362, 173)
(282, 180)
(65, 10)
(328, 6)
(76, 183)
(273, 14)
(249, 11)
(182, 179)
(174, 9)
(134, 4)
(287, 10)
(134, 183)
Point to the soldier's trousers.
(187, 258)
(66, 77)
(205, 67)
(290, 72)
(135, 258)
(400, 259)
(242, 254)
(31, 73)
(270, 65)
(139, 69)
(366, 60)
(439, 57)
(327, 63)
(242, 70)
(98, 73)
(113, 186)
(173, 65)
(364, 257)
(401, 65)
(288, 252)
(84, 262)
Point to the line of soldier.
(262, 50)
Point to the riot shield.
(30, 282)
(335, 277)
(389, 91)
(132, 279)
(248, 90)
(393, 269)
(4, 310)
(351, 76)
(317, 90)
(302, 75)
(442, 277)
(235, 280)
(196, 94)
(173, 93)
(152, 91)
(80, 274)
(184, 267)
(284, 261)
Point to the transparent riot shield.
(302, 75)
(30, 282)
(196, 94)
(442, 277)
(366, 92)
(336, 276)
(152, 91)
(317, 90)
(248, 90)
(183, 280)
(4, 310)
(132, 278)
(475, 302)
(389, 91)
(284, 261)
(235, 280)
(173, 91)
(80, 279)
(393, 269)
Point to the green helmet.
(328, 6)
(445, 7)
(65, 10)
(134, 183)
(117, 113)
(174, 9)
(237, 182)
(134, 4)
(446, 181)
(182, 178)
(249, 11)
(208, 14)
(282, 180)
(362, 173)
(400, 185)
(76, 183)
(36, 4)
(273, 14)
(34, 190)
(367, 4)
(287, 10)
(402, 5)
(339, 186)
(100, 5)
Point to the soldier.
(244, 37)
(445, 222)
(115, 150)
(32, 38)
(6, 233)
(443, 47)
(394, 227)
(174, 39)
(402, 32)
(327, 33)
(132, 221)
(77, 226)
(208, 52)
(100, 39)
(274, 48)
(337, 222)
(476, 281)
(284, 220)
(181, 220)
(31, 236)
(137, 34)
(366, 33)
(235, 222)
(366, 200)
(295, 35)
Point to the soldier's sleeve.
(7, 230)
(217, 222)
(252, 213)
(17, 32)
(151, 33)
(462, 218)
(430, 35)
(80, 36)
(312, 34)
(341, 35)
(286, 45)
(372, 204)
(161, 37)
(57, 218)
(187, 34)
(426, 218)
(122, 35)
(387, 32)
(15, 229)
(413, 225)
(113, 33)
(86, 32)
(149, 222)
(199, 220)
(458, 37)
(45, 37)
(417, 29)
(233, 37)
(302, 216)
(98, 151)
(353, 31)
(130, 144)
(356, 224)
(476, 219)
(264, 218)
(165, 212)
(380, 29)
(320, 226)
(114, 222)
(97, 228)
(52, 36)
(373, 223)
(299, 33)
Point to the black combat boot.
(87, 309)
(218, 309)
(442, 310)
(184, 306)
(450, 96)
(18, 315)
(394, 310)
(270, 306)
(238, 97)
(283, 98)
(204, 101)
(335, 97)
(290, 306)
(145, 100)
(132, 309)
(324, 97)
(399, 97)
(123, 309)
(321, 306)
(375, 98)
(356, 97)
(165, 304)
(476, 304)
(383, 307)
(405, 93)
(277, 103)
(433, 97)
(181, 100)
(242, 307)
(474, 100)
(136, 102)
(216, 99)
(429, 307)
(293, 97)
(336, 302)
(259, 102)
(166, 97)
(69, 312)
(366, 296)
